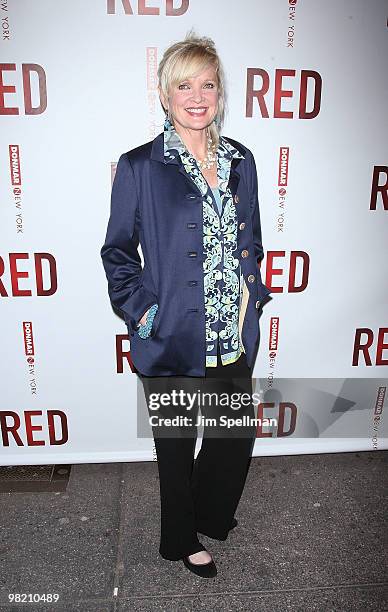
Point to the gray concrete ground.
(312, 536)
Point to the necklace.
(210, 158)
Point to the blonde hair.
(188, 58)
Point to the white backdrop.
(88, 94)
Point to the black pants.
(201, 495)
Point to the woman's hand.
(144, 318)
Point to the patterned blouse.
(223, 279)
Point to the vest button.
(251, 278)
(257, 304)
(244, 253)
(236, 199)
(242, 225)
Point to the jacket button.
(251, 278)
(244, 253)
(257, 304)
(192, 253)
(242, 225)
(236, 199)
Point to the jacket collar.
(168, 143)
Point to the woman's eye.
(184, 85)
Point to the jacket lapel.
(237, 149)
(234, 177)
(187, 177)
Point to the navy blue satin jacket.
(157, 205)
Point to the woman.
(190, 198)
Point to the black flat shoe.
(205, 570)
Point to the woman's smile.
(197, 112)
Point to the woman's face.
(200, 92)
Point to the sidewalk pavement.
(312, 536)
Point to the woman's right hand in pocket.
(144, 317)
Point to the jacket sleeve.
(119, 253)
(256, 224)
